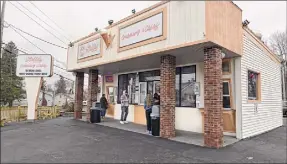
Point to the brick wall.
(213, 120)
(92, 90)
(167, 96)
(79, 95)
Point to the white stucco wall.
(269, 115)
(185, 23)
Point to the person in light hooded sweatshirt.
(124, 107)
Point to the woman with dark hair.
(104, 105)
(156, 99)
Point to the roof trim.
(272, 55)
(137, 14)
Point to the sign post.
(34, 68)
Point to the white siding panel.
(269, 115)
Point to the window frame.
(229, 63)
(229, 81)
(258, 87)
(180, 85)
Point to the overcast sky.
(78, 18)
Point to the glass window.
(132, 87)
(226, 94)
(122, 85)
(177, 86)
(156, 87)
(252, 85)
(187, 84)
(150, 87)
(226, 66)
(142, 88)
(149, 76)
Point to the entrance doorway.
(151, 87)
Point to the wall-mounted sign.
(109, 79)
(196, 88)
(145, 29)
(29, 65)
(89, 48)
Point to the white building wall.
(185, 24)
(269, 115)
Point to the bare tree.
(278, 44)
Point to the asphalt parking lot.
(64, 140)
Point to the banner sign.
(109, 79)
(143, 30)
(29, 65)
(89, 48)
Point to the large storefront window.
(185, 79)
(127, 82)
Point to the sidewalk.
(181, 136)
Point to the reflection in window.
(122, 85)
(187, 84)
(142, 92)
(252, 85)
(184, 83)
(177, 86)
(226, 66)
(132, 87)
(226, 94)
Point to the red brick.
(213, 120)
(79, 95)
(167, 99)
(92, 90)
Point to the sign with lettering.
(109, 79)
(29, 65)
(89, 48)
(143, 30)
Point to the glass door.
(156, 87)
(142, 89)
(110, 95)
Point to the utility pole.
(2, 22)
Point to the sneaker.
(122, 122)
(149, 132)
(126, 122)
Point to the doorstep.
(181, 136)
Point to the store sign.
(34, 65)
(143, 30)
(90, 48)
(109, 79)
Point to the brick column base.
(213, 120)
(77, 114)
(92, 90)
(79, 95)
(167, 96)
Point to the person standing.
(148, 110)
(156, 99)
(104, 105)
(124, 107)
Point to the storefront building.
(213, 74)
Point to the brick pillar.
(92, 90)
(79, 95)
(213, 120)
(167, 96)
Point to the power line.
(41, 20)
(29, 41)
(32, 43)
(48, 18)
(27, 53)
(35, 36)
(37, 22)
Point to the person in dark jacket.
(104, 105)
(156, 99)
(148, 102)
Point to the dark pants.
(125, 112)
(103, 112)
(148, 119)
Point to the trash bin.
(95, 113)
(155, 121)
